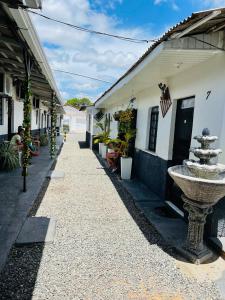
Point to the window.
(154, 116)
(1, 111)
(1, 82)
(37, 115)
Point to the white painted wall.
(36, 122)
(196, 81)
(18, 114)
(4, 127)
(75, 119)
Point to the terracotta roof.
(195, 17)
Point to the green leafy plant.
(103, 136)
(9, 158)
(78, 102)
(126, 116)
(44, 139)
(128, 136)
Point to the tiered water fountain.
(203, 185)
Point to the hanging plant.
(126, 115)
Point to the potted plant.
(9, 157)
(98, 139)
(43, 139)
(102, 138)
(125, 160)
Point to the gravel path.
(104, 249)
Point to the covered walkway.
(103, 249)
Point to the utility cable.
(80, 75)
(123, 38)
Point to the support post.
(53, 127)
(26, 118)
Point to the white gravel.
(104, 249)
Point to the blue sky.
(103, 57)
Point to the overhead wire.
(80, 75)
(123, 38)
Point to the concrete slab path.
(14, 204)
(104, 248)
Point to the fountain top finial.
(204, 168)
(206, 132)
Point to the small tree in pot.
(125, 160)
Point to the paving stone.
(56, 174)
(14, 204)
(37, 230)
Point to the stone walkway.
(103, 249)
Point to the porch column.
(53, 127)
(26, 118)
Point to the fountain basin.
(203, 170)
(206, 192)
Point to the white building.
(190, 60)
(12, 74)
(75, 119)
(93, 116)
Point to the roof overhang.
(34, 4)
(17, 32)
(163, 63)
(198, 24)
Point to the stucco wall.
(18, 115)
(196, 81)
(4, 127)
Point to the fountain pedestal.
(194, 248)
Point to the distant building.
(75, 119)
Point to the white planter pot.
(104, 151)
(126, 166)
(111, 150)
(100, 148)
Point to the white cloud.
(84, 53)
(172, 3)
(214, 3)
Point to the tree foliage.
(78, 102)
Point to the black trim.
(152, 171)
(1, 111)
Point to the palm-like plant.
(9, 158)
(103, 136)
(128, 136)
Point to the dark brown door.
(182, 142)
(183, 130)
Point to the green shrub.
(43, 139)
(9, 158)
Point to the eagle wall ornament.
(165, 101)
